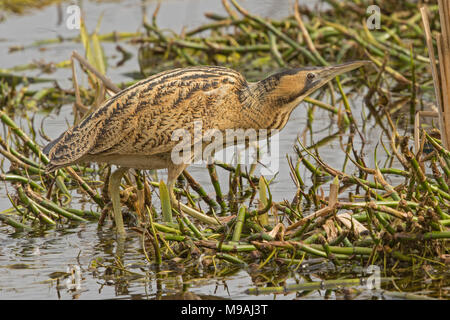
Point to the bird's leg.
(174, 172)
(114, 190)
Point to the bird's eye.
(311, 76)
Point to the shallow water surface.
(37, 265)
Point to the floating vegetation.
(22, 6)
(394, 214)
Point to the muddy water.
(31, 264)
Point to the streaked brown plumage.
(133, 129)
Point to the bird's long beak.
(324, 74)
(330, 72)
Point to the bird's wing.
(141, 119)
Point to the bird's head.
(288, 88)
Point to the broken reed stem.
(154, 238)
(199, 189)
(21, 179)
(106, 82)
(217, 188)
(239, 223)
(15, 224)
(310, 286)
(93, 194)
(275, 31)
(166, 206)
(443, 82)
(446, 107)
(27, 140)
(52, 206)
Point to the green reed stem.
(239, 224)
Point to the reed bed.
(394, 214)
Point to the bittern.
(133, 129)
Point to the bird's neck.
(280, 90)
(264, 102)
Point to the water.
(33, 265)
